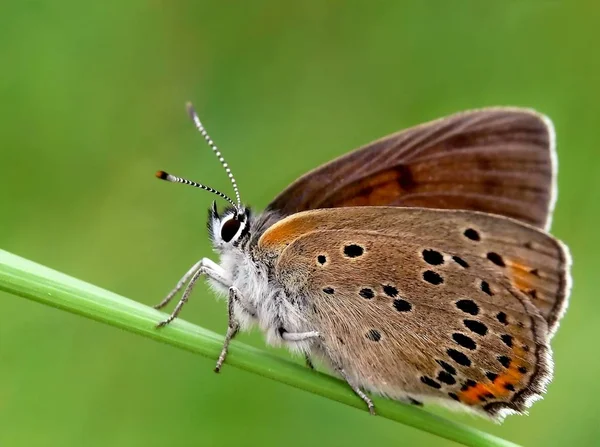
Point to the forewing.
(497, 160)
(429, 303)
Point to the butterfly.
(417, 267)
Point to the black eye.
(229, 229)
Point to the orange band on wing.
(284, 232)
(522, 276)
(500, 387)
(382, 188)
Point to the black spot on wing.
(353, 250)
(476, 326)
(491, 376)
(468, 384)
(472, 234)
(485, 288)
(458, 357)
(374, 335)
(501, 317)
(402, 305)
(507, 339)
(445, 377)
(404, 177)
(468, 306)
(433, 257)
(430, 382)
(433, 277)
(464, 340)
(496, 259)
(504, 360)
(366, 293)
(390, 291)
(460, 261)
(448, 367)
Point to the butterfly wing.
(496, 160)
(428, 304)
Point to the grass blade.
(33, 281)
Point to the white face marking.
(227, 229)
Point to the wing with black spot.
(428, 304)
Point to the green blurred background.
(92, 103)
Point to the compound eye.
(230, 229)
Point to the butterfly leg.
(300, 336)
(207, 267)
(205, 263)
(360, 393)
(179, 285)
(308, 361)
(336, 365)
(297, 336)
(233, 327)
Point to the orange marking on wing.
(379, 189)
(521, 275)
(287, 230)
(497, 387)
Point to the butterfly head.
(228, 229)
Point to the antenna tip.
(162, 175)
(190, 109)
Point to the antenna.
(214, 148)
(173, 179)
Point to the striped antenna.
(214, 148)
(173, 179)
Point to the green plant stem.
(33, 281)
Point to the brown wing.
(497, 160)
(426, 303)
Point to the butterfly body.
(261, 297)
(452, 301)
